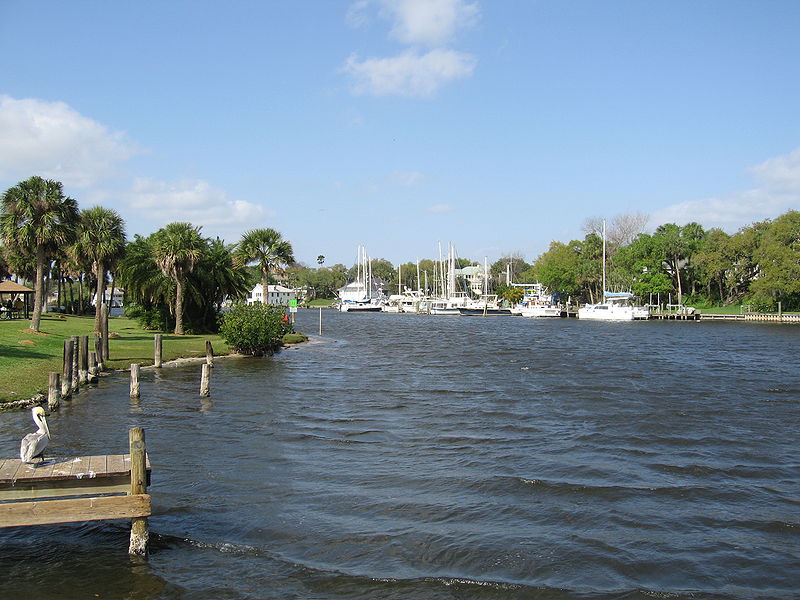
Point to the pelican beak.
(46, 428)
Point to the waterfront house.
(277, 295)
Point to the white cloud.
(410, 74)
(53, 140)
(195, 201)
(428, 22)
(781, 173)
(439, 208)
(779, 191)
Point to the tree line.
(757, 265)
(173, 278)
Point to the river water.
(416, 457)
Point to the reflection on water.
(404, 456)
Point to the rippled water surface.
(405, 456)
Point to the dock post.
(92, 376)
(157, 351)
(75, 383)
(53, 391)
(66, 379)
(83, 358)
(139, 529)
(204, 390)
(209, 354)
(134, 380)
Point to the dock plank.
(74, 510)
(97, 464)
(116, 464)
(8, 469)
(77, 467)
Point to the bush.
(155, 318)
(255, 329)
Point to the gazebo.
(11, 290)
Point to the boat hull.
(484, 312)
(536, 312)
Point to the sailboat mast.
(604, 260)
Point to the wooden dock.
(81, 488)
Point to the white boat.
(364, 294)
(449, 306)
(392, 305)
(540, 310)
(485, 306)
(537, 302)
(616, 306)
(410, 301)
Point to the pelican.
(33, 445)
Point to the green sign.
(293, 302)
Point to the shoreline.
(40, 399)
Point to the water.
(413, 457)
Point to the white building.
(114, 300)
(474, 277)
(278, 295)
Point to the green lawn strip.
(27, 357)
(321, 302)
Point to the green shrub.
(255, 329)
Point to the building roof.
(12, 287)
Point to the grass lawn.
(322, 302)
(26, 357)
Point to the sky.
(495, 125)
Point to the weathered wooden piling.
(204, 381)
(75, 383)
(157, 347)
(83, 358)
(104, 325)
(92, 377)
(66, 378)
(53, 390)
(139, 529)
(134, 380)
(209, 354)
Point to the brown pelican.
(33, 445)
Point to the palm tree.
(101, 237)
(177, 248)
(268, 249)
(37, 219)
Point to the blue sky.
(495, 125)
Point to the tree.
(38, 219)
(640, 266)
(177, 248)
(557, 269)
(778, 254)
(267, 248)
(101, 237)
(499, 268)
(620, 231)
(678, 245)
(714, 262)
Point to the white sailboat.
(616, 306)
(361, 295)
